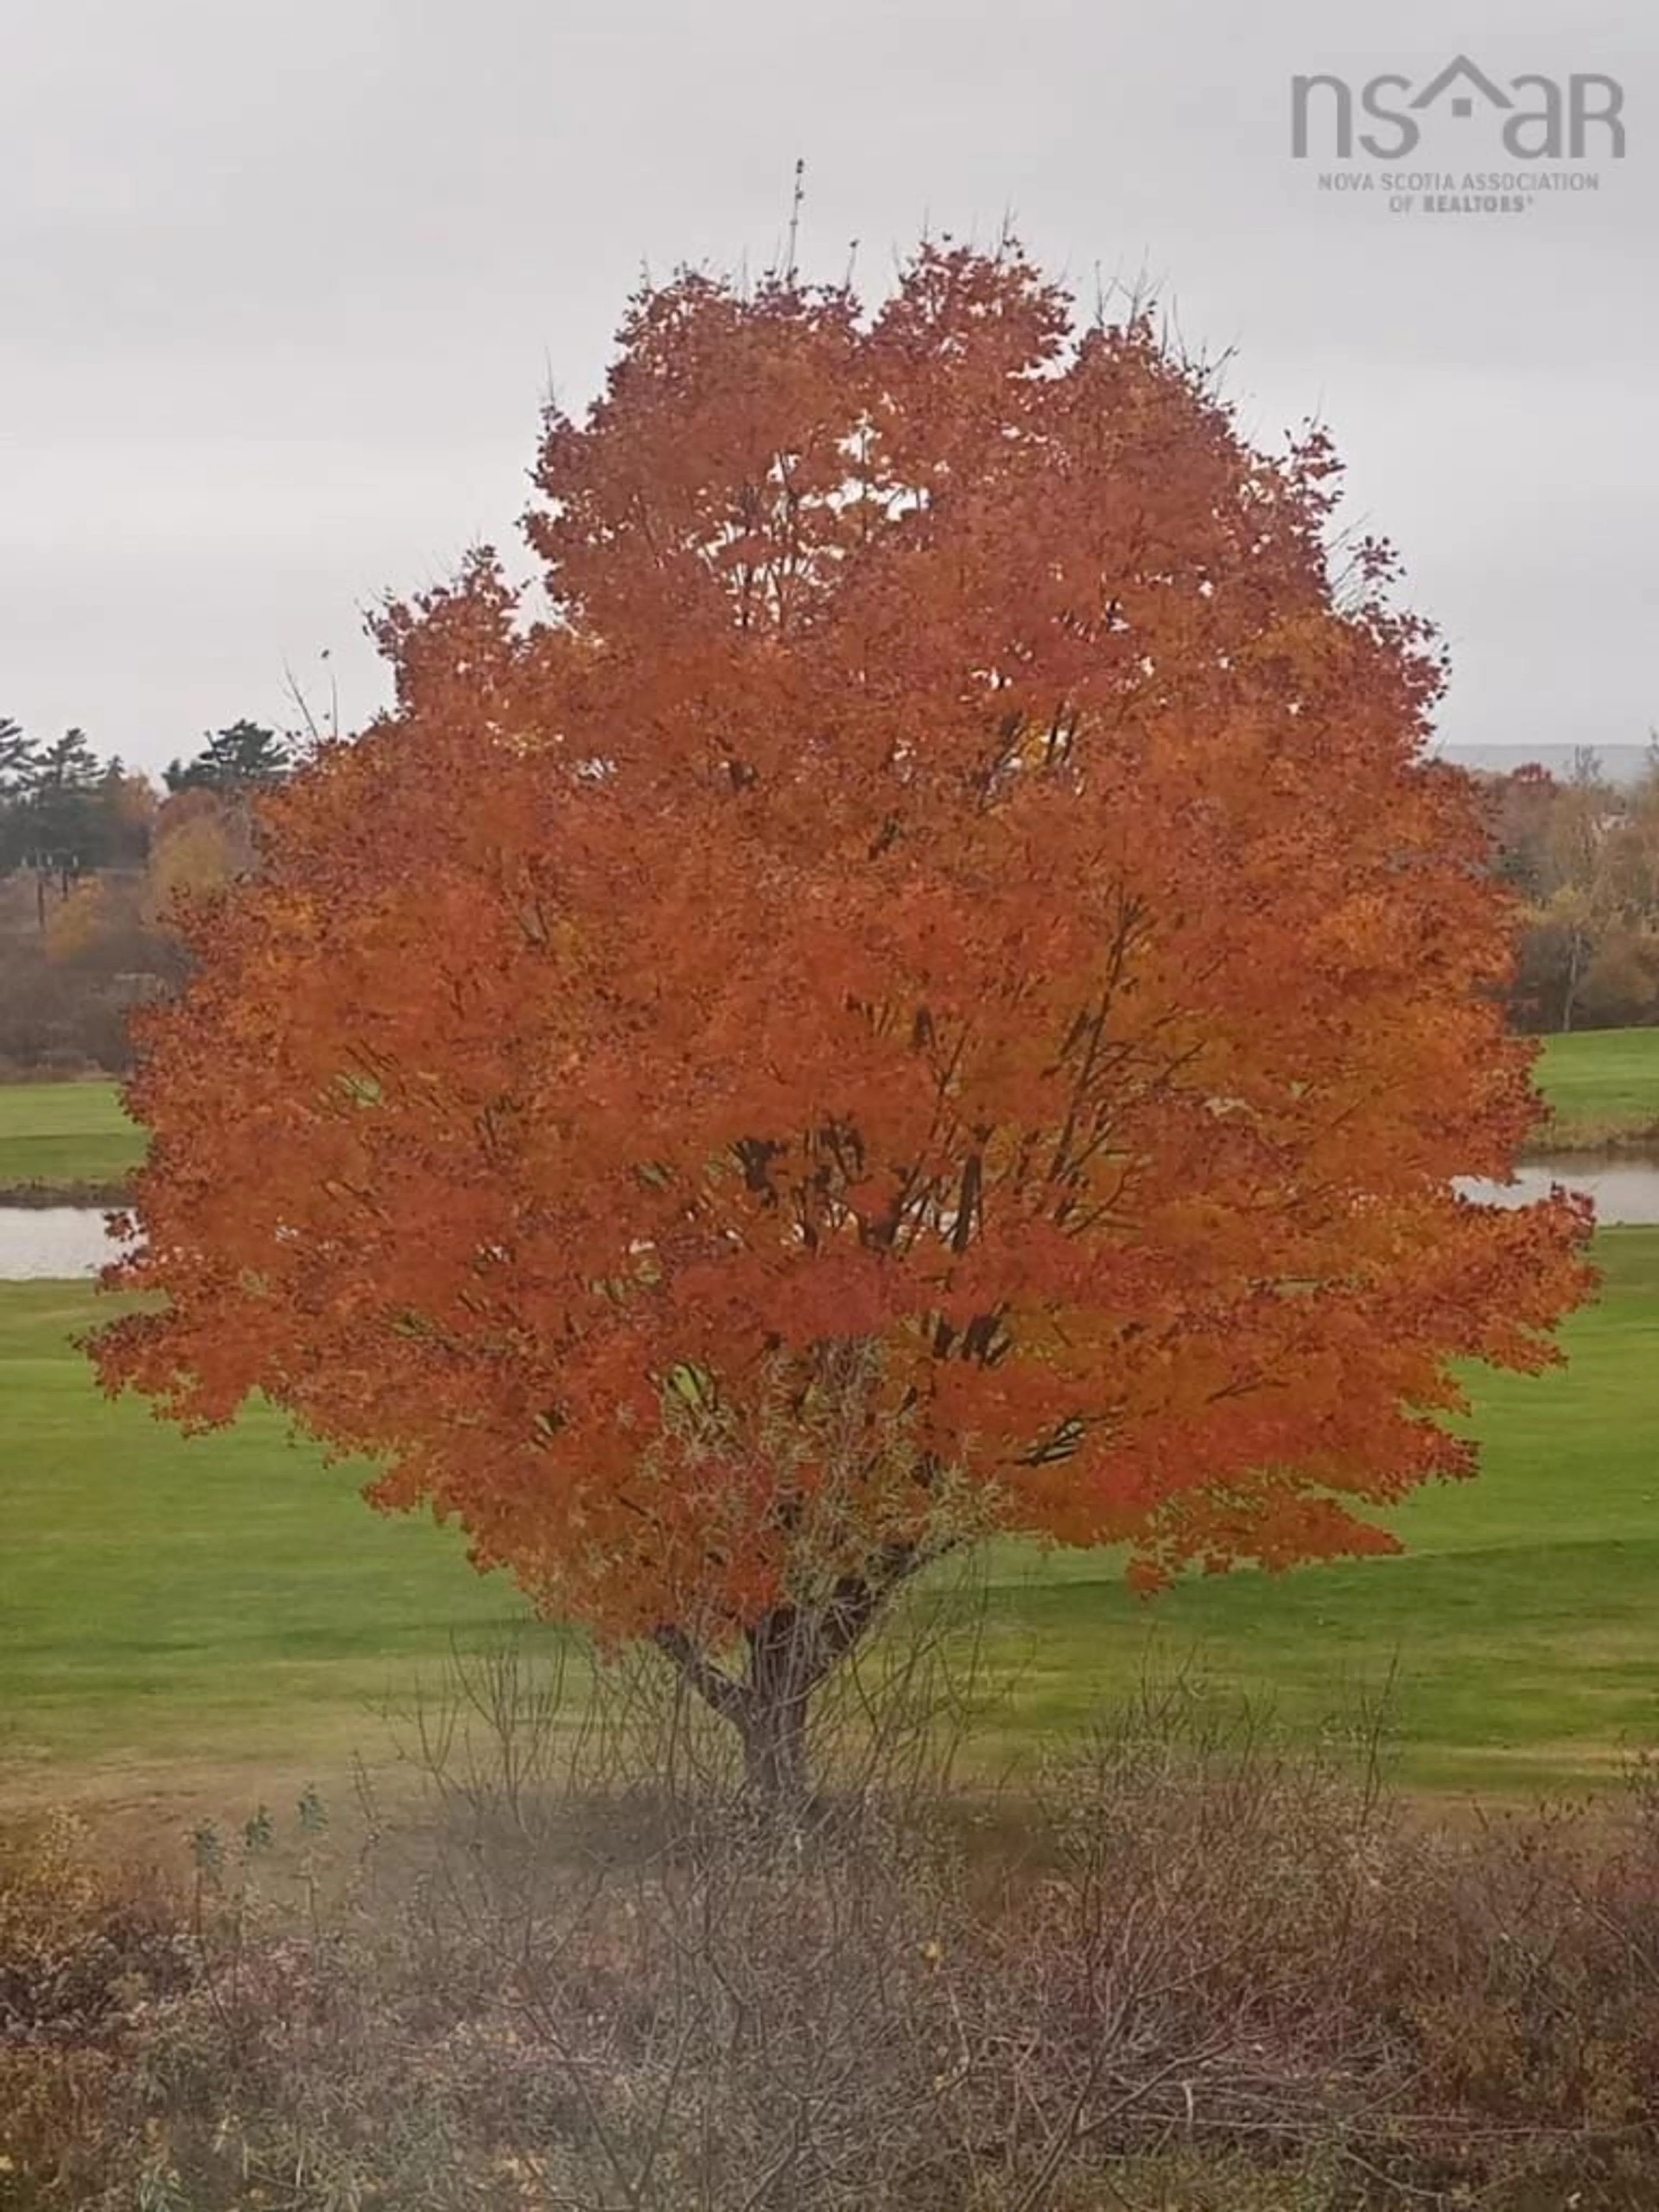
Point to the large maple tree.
(933, 986)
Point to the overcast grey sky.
(283, 286)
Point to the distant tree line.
(92, 852)
(1582, 856)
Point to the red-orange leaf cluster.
(943, 967)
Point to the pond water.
(52, 1241)
(60, 1241)
(1626, 1191)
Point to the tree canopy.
(942, 970)
(245, 757)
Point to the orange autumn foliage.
(945, 962)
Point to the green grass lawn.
(167, 1604)
(1603, 1086)
(61, 1135)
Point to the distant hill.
(1619, 763)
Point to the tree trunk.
(1575, 963)
(775, 1750)
(789, 1654)
(786, 1663)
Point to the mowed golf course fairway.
(1602, 1087)
(168, 1604)
(54, 1134)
